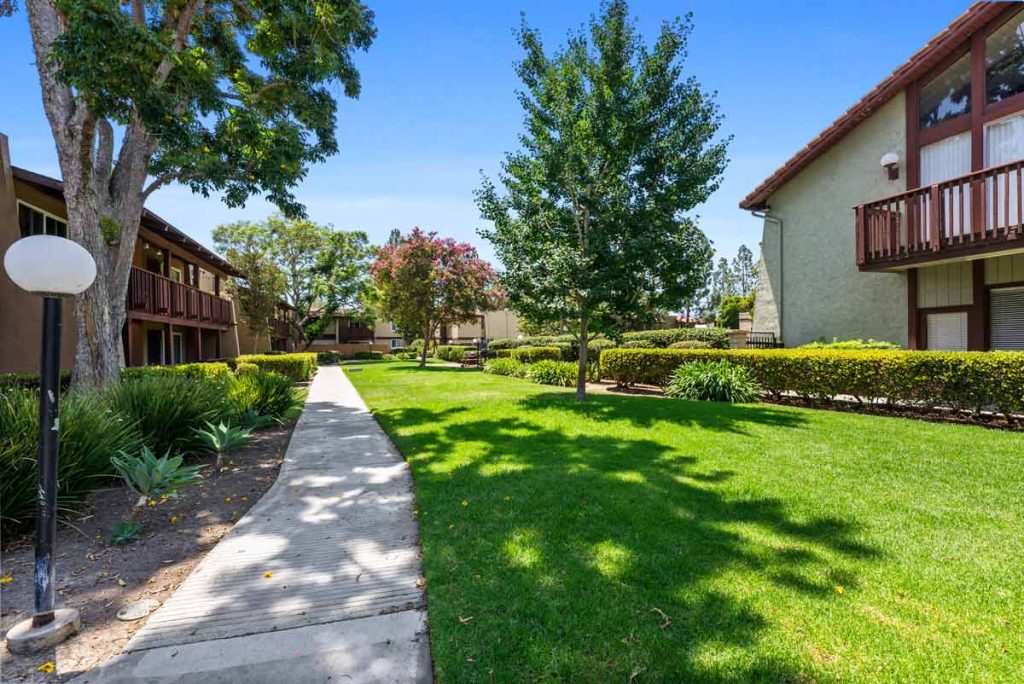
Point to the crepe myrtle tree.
(617, 145)
(234, 97)
(423, 282)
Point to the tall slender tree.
(618, 145)
(224, 96)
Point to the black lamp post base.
(25, 637)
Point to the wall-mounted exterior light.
(891, 163)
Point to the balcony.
(279, 328)
(973, 214)
(151, 295)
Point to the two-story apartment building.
(177, 311)
(902, 220)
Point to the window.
(947, 331)
(34, 221)
(397, 343)
(1004, 61)
(176, 274)
(1007, 319)
(948, 95)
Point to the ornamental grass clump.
(506, 366)
(713, 381)
(265, 393)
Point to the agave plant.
(150, 477)
(125, 531)
(252, 419)
(222, 438)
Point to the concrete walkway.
(319, 582)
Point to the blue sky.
(438, 103)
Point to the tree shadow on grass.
(563, 556)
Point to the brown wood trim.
(1003, 108)
(949, 252)
(913, 316)
(180, 322)
(977, 101)
(944, 129)
(959, 308)
(999, 286)
(160, 242)
(977, 315)
(913, 95)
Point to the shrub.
(150, 477)
(451, 352)
(214, 372)
(368, 356)
(222, 438)
(689, 344)
(504, 366)
(9, 381)
(850, 344)
(125, 531)
(299, 367)
(535, 354)
(712, 381)
(962, 380)
(416, 345)
(90, 433)
(262, 393)
(596, 346)
(638, 344)
(329, 357)
(500, 353)
(167, 407)
(548, 372)
(716, 338)
(246, 368)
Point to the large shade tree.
(234, 97)
(323, 270)
(423, 282)
(618, 145)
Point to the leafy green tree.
(731, 307)
(618, 145)
(425, 283)
(247, 245)
(744, 269)
(230, 97)
(326, 270)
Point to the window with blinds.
(1006, 312)
(947, 331)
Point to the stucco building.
(902, 220)
(177, 310)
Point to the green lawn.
(648, 540)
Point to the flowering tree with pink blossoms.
(423, 282)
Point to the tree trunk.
(104, 204)
(426, 344)
(581, 376)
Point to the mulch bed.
(99, 578)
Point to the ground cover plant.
(672, 541)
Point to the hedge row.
(961, 380)
(535, 354)
(716, 338)
(299, 366)
(9, 381)
(215, 371)
(451, 352)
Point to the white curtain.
(1004, 143)
(940, 161)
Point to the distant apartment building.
(177, 309)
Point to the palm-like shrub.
(90, 433)
(167, 408)
(264, 393)
(222, 438)
(713, 381)
(150, 477)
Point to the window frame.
(45, 214)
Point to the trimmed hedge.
(216, 371)
(535, 354)
(836, 343)
(962, 380)
(505, 366)
(28, 380)
(716, 338)
(368, 356)
(299, 367)
(451, 352)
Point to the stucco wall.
(822, 293)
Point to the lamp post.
(51, 267)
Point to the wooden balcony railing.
(279, 328)
(151, 293)
(980, 211)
